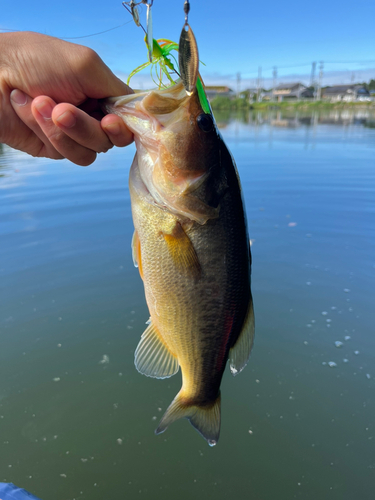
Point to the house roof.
(218, 88)
(343, 89)
(289, 86)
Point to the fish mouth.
(149, 104)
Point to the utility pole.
(319, 91)
(238, 84)
(274, 74)
(259, 82)
(312, 78)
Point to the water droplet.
(345, 360)
(332, 364)
(346, 290)
(324, 313)
(338, 343)
(212, 442)
(356, 352)
(368, 376)
(347, 337)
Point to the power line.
(299, 65)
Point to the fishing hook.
(132, 8)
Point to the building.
(291, 91)
(346, 93)
(251, 94)
(215, 91)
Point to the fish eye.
(205, 122)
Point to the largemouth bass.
(192, 250)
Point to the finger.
(98, 81)
(82, 128)
(117, 131)
(42, 108)
(31, 138)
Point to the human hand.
(49, 99)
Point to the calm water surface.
(76, 418)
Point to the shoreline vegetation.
(226, 103)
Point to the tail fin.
(206, 419)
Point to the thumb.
(98, 81)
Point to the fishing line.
(94, 34)
(75, 37)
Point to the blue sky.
(232, 36)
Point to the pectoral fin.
(152, 357)
(136, 253)
(182, 251)
(239, 354)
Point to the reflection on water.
(292, 118)
(77, 419)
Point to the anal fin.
(239, 354)
(152, 357)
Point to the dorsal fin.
(152, 357)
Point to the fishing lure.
(162, 62)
